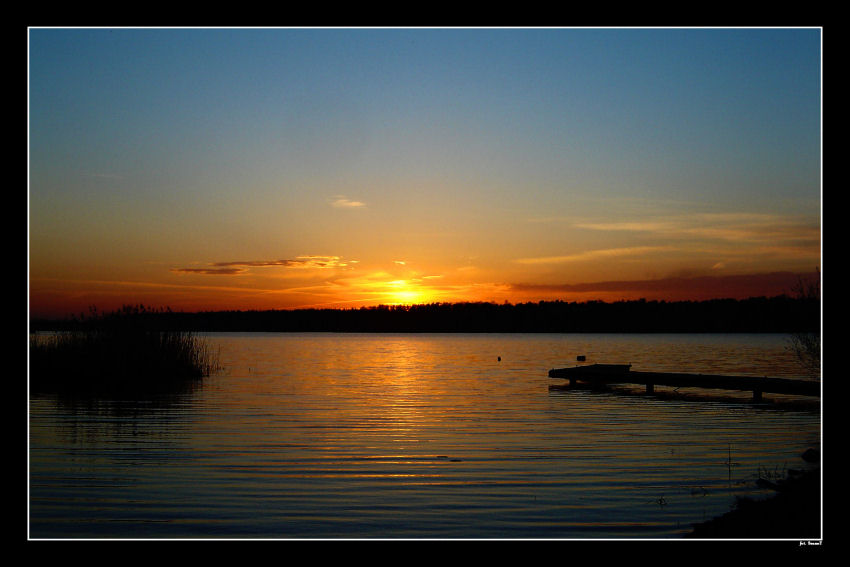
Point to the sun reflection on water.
(411, 434)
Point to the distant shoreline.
(780, 314)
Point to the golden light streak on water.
(414, 436)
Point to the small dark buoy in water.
(580, 358)
(499, 358)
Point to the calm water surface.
(415, 436)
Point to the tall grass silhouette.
(122, 350)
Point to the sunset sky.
(207, 169)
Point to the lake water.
(416, 436)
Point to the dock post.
(756, 395)
(649, 388)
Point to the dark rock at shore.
(811, 455)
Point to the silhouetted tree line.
(757, 315)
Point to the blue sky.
(471, 155)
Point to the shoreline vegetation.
(118, 352)
(793, 512)
(779, 314)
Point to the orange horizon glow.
(225, 169)
(62, 298)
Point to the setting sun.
(423, 282)
(404, 293)
(224, 176)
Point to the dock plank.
(622, 374)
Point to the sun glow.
(404, 292)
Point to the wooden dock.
(601, 374)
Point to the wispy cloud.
(738, 227)
(103, 286)
(595, 254)
(342, 202)
(209, 271)
(698, 287)
(103, 175)
(297, 262)
(240, 267)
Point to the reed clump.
(119, 350)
